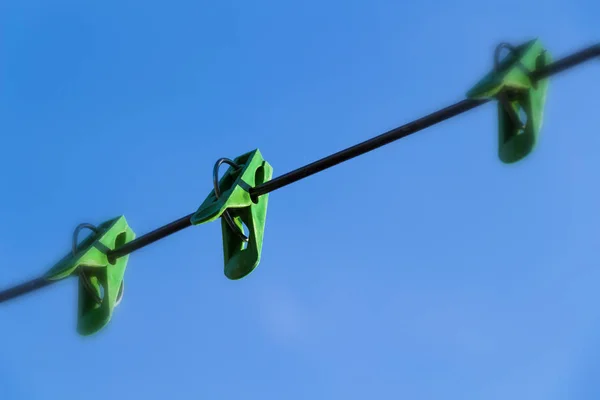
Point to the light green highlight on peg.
(240, 258)
(517, 95)
(105, 277)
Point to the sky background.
(423, 270)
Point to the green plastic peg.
(517, 94)
(240, 258)
(99, 277)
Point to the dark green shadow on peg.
(105, 277)
(517, 94)
(240, 258)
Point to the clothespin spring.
(226, 214)
(81, 270)
(503, 96)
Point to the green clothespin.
(516, 93)
(231, 200)
(100, 279)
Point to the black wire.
(411, 127)
(308, 170)
(567, 62)
(24, 288)
(151, 237)
(355, 151)
(122, 251)
(323, 164)
(365, 147)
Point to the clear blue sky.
(424, 270)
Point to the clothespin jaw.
(517, 93)
(100, 279)
(234, 203)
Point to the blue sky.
(423, 270)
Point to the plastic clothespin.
(231, 200)
(517, 94)
(100, 279)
